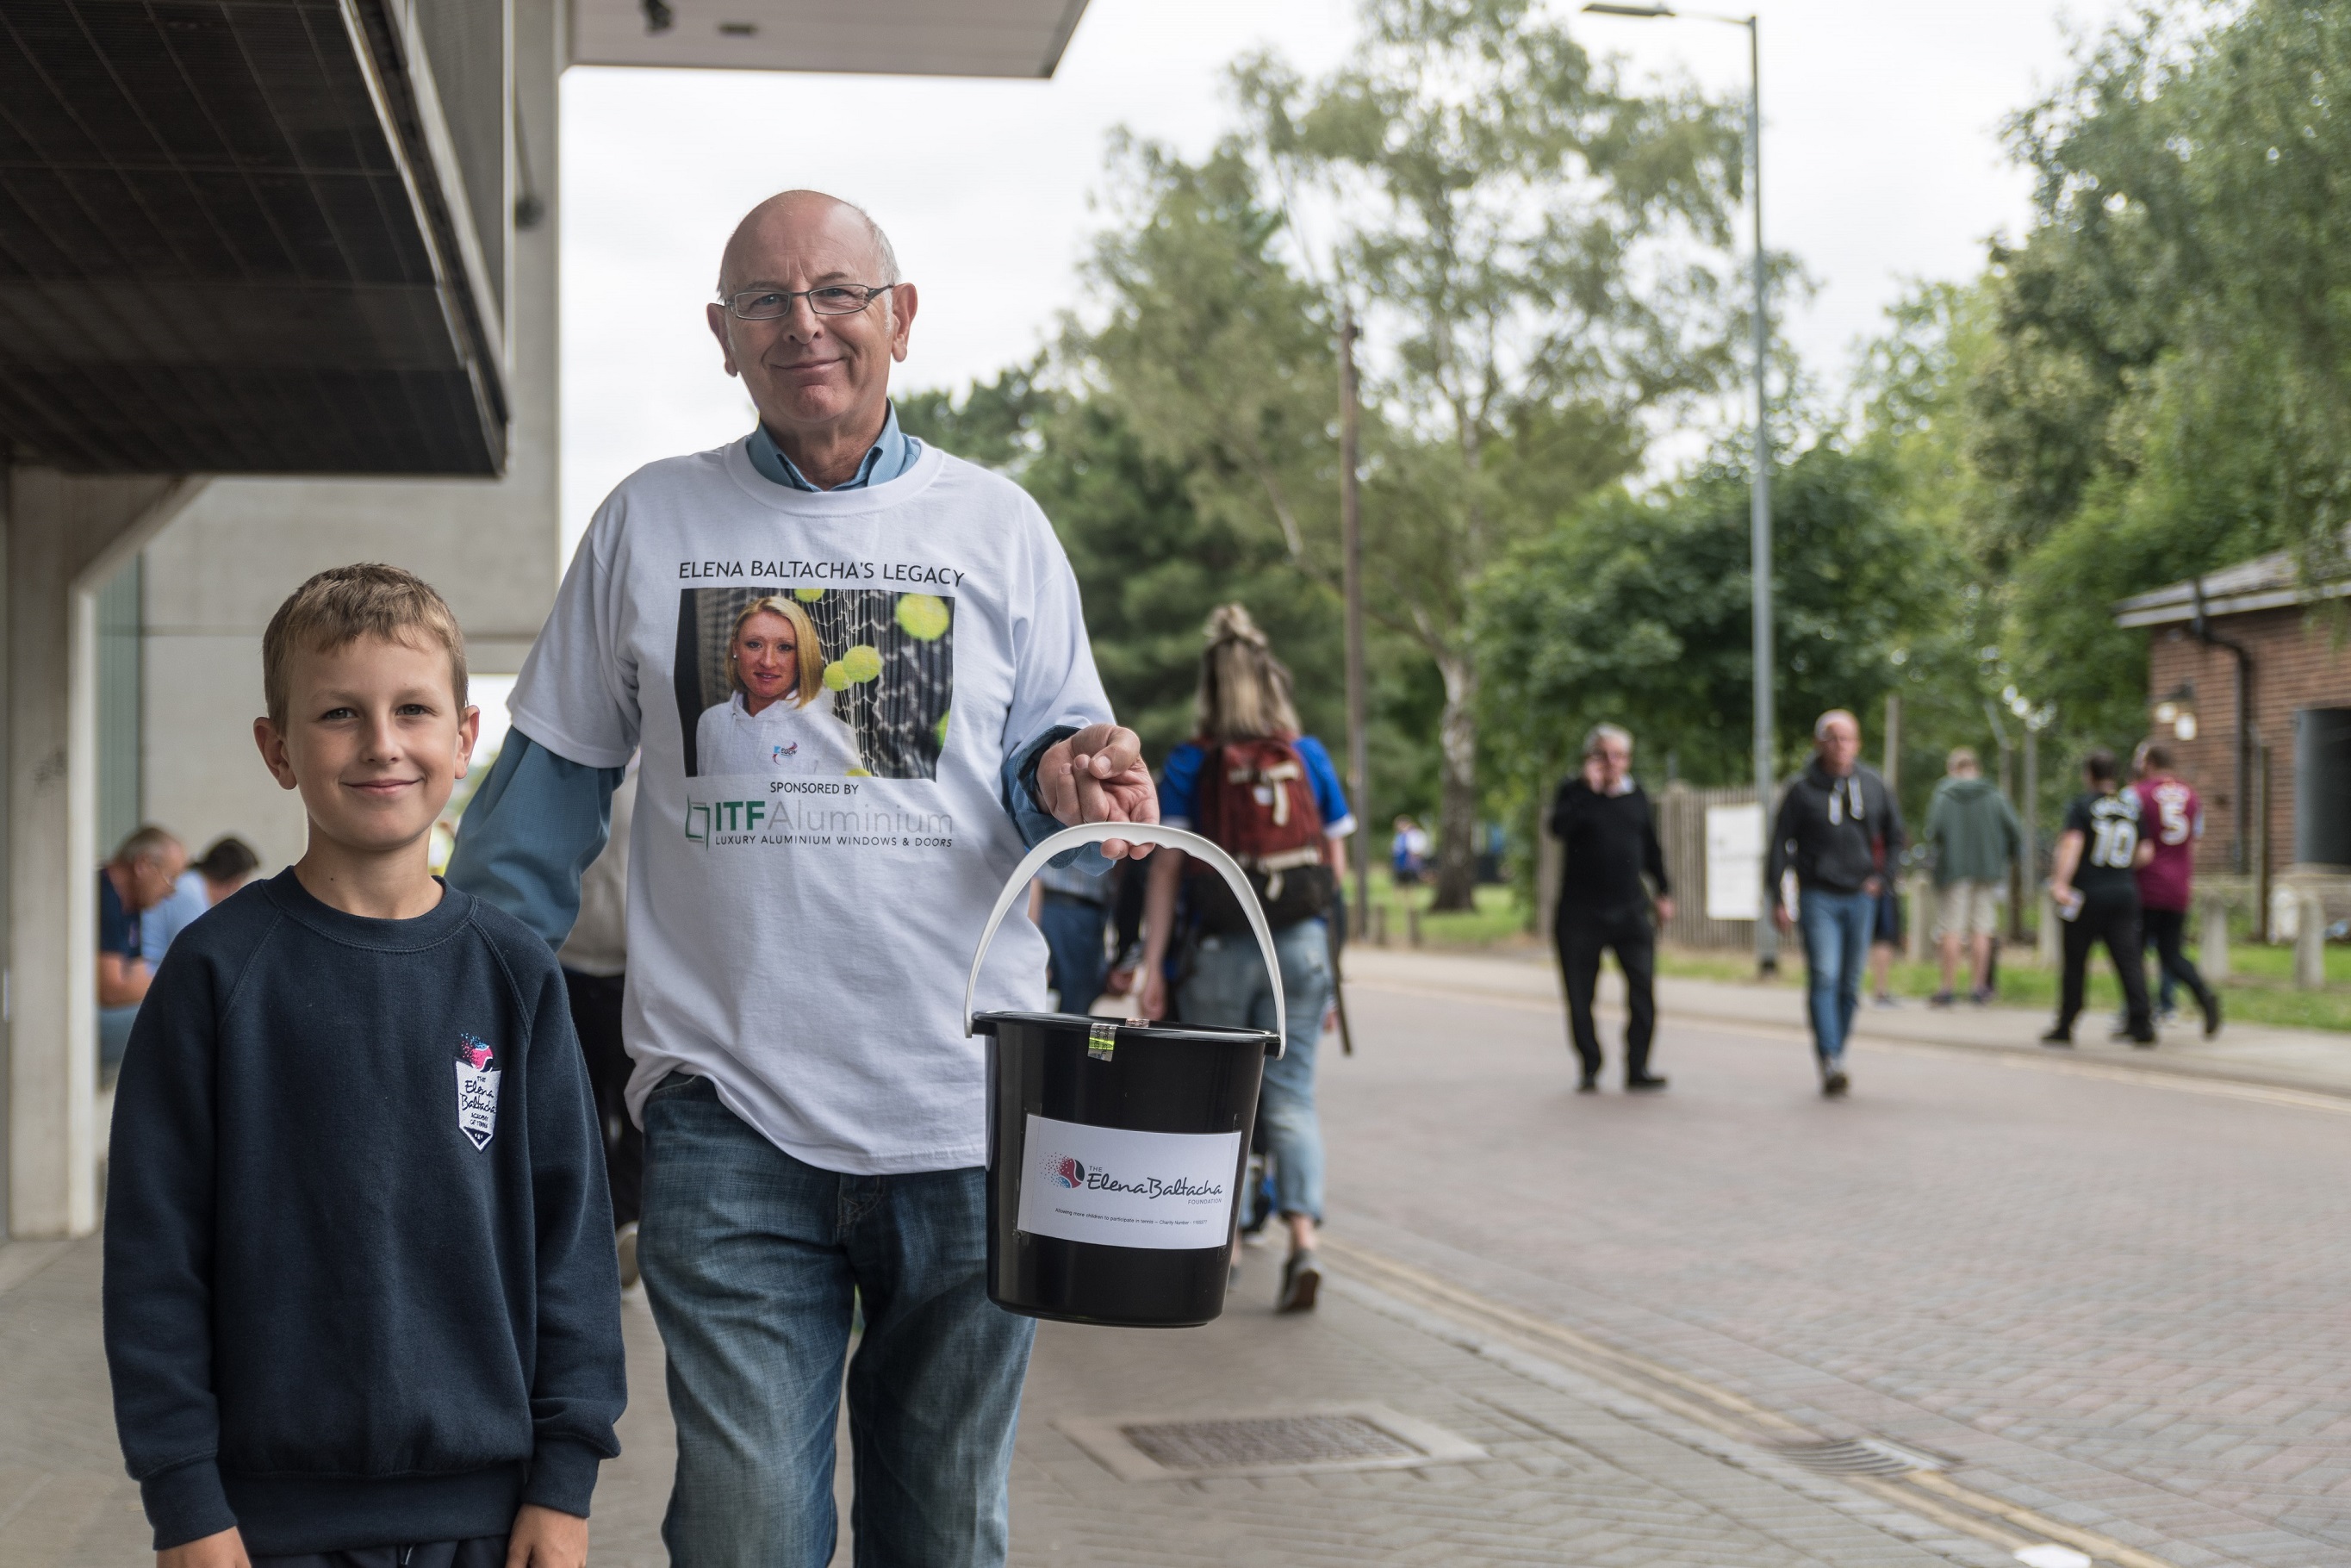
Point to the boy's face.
(373, 739)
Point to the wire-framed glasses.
(830, 299)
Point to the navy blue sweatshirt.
(359, 1281)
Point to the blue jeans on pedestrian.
(1227, 985)
(750, 1258)
(1073, 932)
(1836, 950)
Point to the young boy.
(361, 1306)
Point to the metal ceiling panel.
(887, 38)
(225, 248)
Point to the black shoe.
(1302, 1278)
(2211, 1014)
(2058, 1037)
(2144, 1042)
(1942, 999)
(1835, 1085)
(1647, 1083)
(1589, 1083)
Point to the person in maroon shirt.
(2172, 820)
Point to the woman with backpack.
(1270, 797)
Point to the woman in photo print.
(778, 717)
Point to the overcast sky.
(1882, 164)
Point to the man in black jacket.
(1837, 824)
(1602, 821)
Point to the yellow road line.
(2045, 1061)
(1715, 1409)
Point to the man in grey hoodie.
(1976, 836)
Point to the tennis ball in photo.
(836, 676)
(939, 731)
(808, 595)
(923, 616)
(861, 663)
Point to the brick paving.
(2120, 1302)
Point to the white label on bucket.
(1118, 1188)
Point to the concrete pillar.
(65, 535)
(2309, 942)
(2212, 917)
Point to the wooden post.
(2214, 919)
(1893, 768)
(1921, 890)
(2309, 941)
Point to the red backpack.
(1256, 802)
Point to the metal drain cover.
(1858, 1457)
(1282, 1442)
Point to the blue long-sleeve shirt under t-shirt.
(360, 1283)
(538, 820)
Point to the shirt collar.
(893, 453)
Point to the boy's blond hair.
(345, 603)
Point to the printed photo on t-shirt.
(814, 682)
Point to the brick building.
(2254, 627)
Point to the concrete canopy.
(238, 237)
(893, 37)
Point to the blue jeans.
(1836, 950)
(750, 1258)
(1074, 936)
(1227, 985)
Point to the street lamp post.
(1767, 936)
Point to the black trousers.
(2112, 918)
(596, 1014)
(1583, 935)
(2168, 929)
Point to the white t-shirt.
(802, 940)
(783, 737)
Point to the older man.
(1602, 821)
(1838, 825)
(138, 879)
(798, 932)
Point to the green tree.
(1499, 198)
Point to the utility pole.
(1351, 548)
(1767, 935)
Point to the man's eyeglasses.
(831, 299)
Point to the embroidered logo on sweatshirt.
(477, 1090)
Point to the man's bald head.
(792, 213)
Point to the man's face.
(1839, 745)
(152, 879)
(808, 373)
(1611, 760)
(374, 740)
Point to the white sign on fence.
(1734, 862)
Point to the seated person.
(780, 718)
(228, 865)
(139, 877)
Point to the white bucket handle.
(1140, 834)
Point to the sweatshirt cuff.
(186, 1503)
(562, 1476)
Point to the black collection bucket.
(1117, 1152)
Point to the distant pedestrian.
(1887, 931)
(1270, 796)
(1407, 852)
(1836, 821)
(2170, 819)
(141, 875)
(1976, 836)
(2095, 890)
(1601, 820)
(1073, 912)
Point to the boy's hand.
(544, 1538)
(224, 1550)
